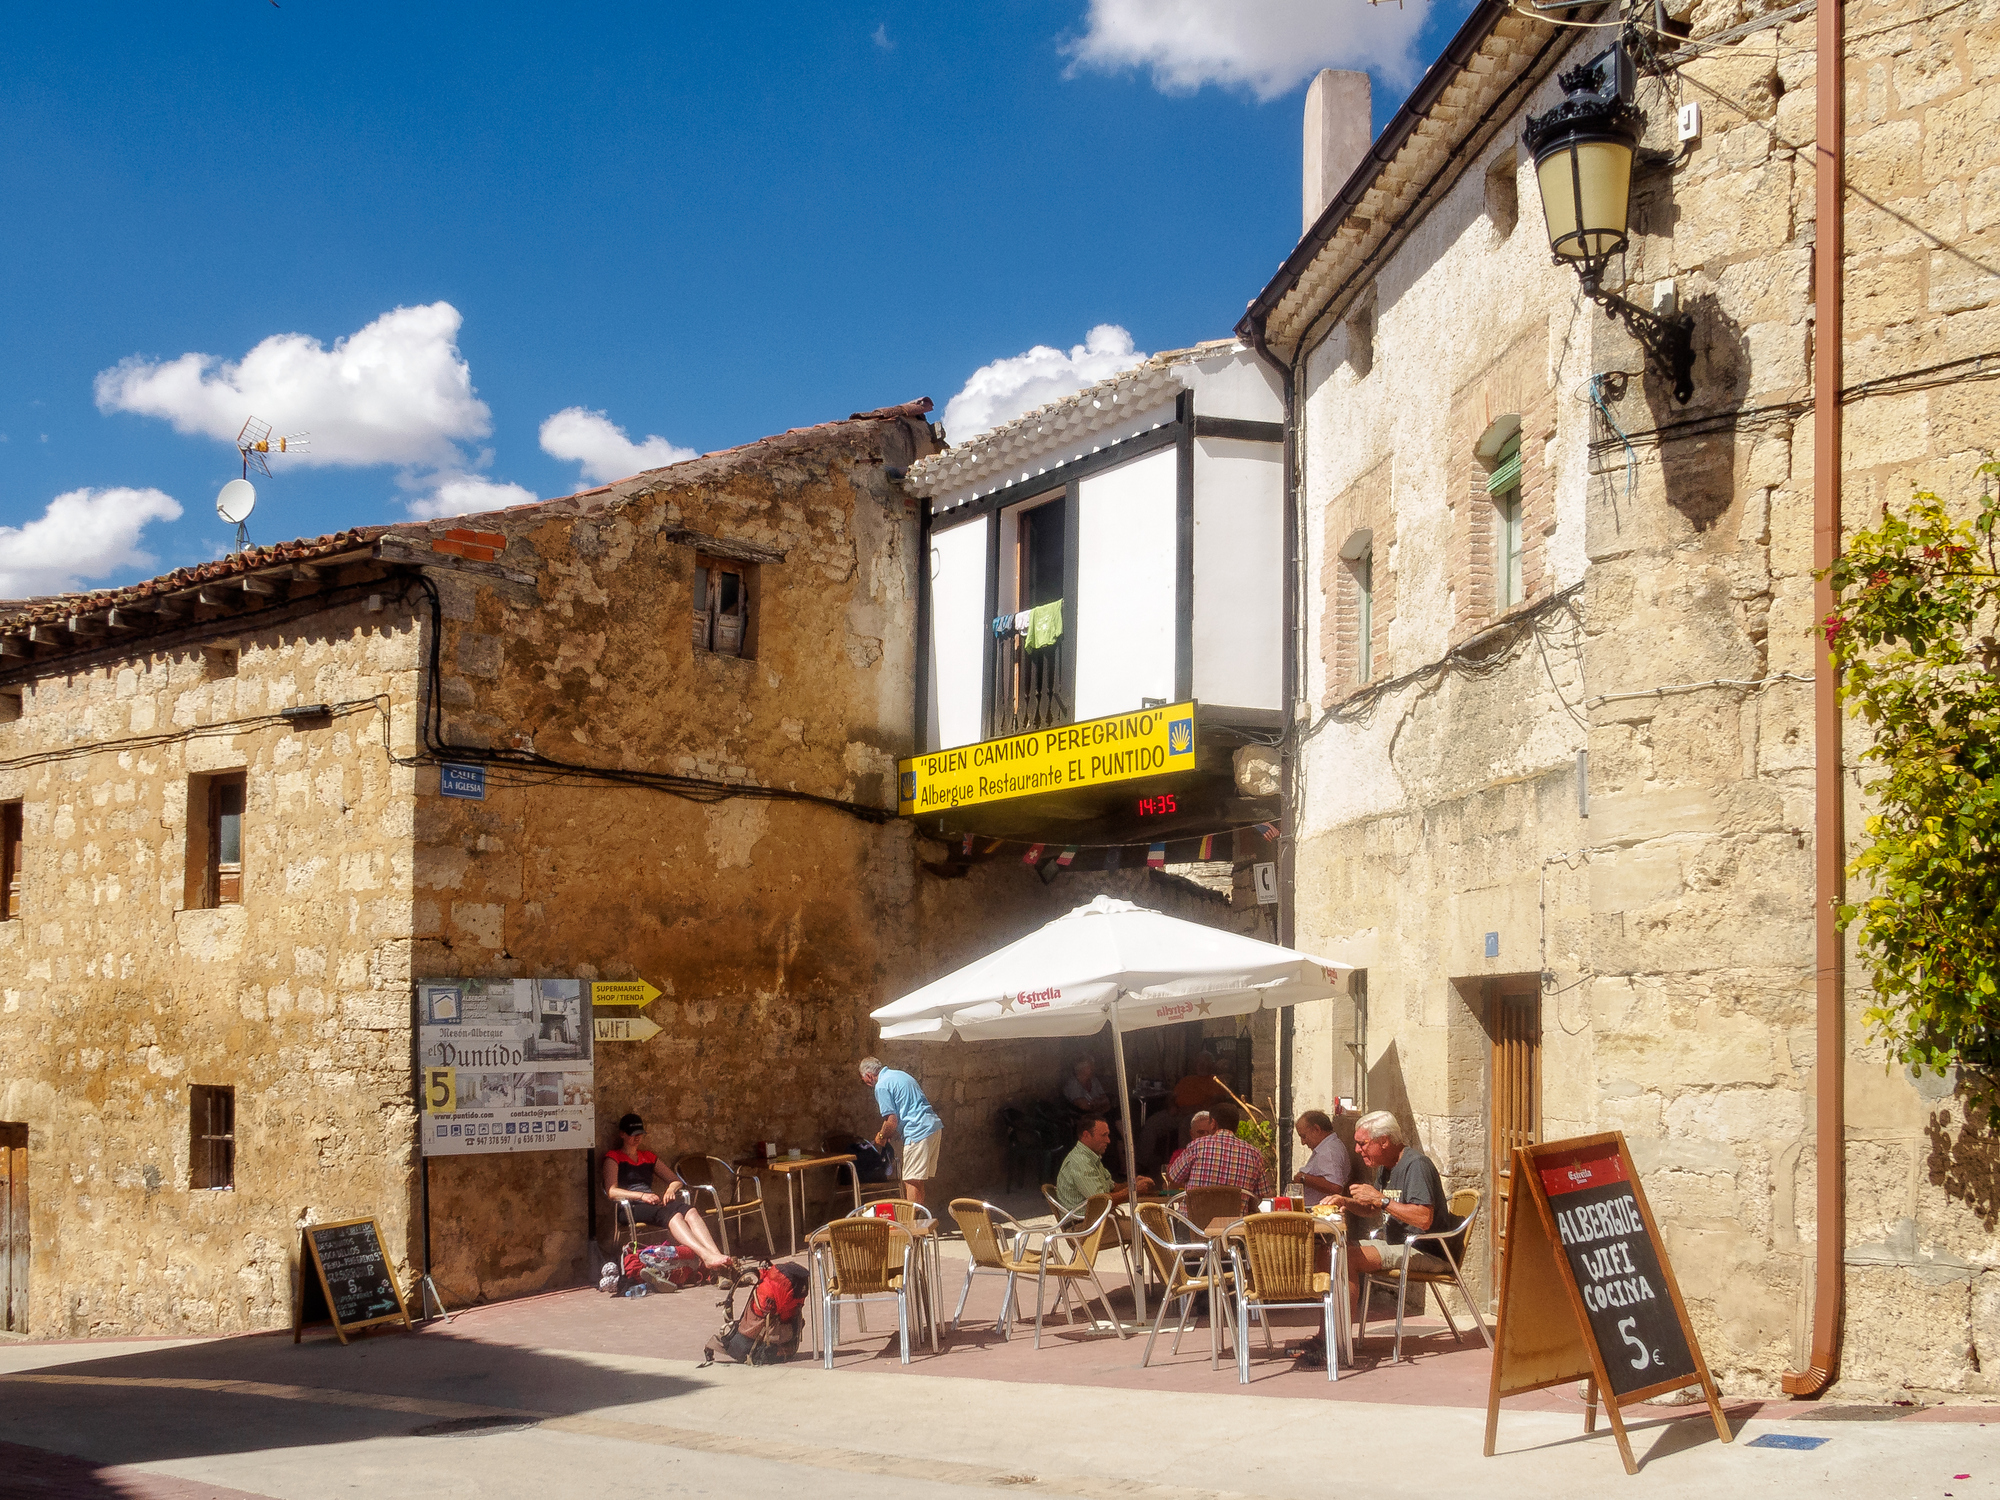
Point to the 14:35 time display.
(1154, 807)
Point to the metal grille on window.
(212, 1137)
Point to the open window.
(722, 606)
(215, 840)
(10, 860)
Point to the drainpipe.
(1288, 747)
(1829, 822)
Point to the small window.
(1504, 485)
(211, 1137)
(215, 840)
(10, 860)
(218, 661)
(11, 699)
(722, 606)
(1364, 622)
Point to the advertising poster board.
(345, 1279)
(1586, 1291)
(504, 1065)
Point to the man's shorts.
(1398, 1257)
(920, 1158)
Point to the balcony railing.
(1027, 687)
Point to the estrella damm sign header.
(1149, 742)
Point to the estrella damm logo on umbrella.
(1180, 737)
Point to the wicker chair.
(1070, 1256)
(1119, 1228)
(1274, 1269)
(860, 1261)
(992, 1237)
(711, 1175)
(1186, 1266)
(1465, 1208)
(1207, 1204)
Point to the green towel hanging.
(1044, 625)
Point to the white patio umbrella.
(1109, 961)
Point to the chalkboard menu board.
(345, 1279)
(1586, 1292)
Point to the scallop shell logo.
(1180, 737)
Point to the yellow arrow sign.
(625, 1029)
(622, 992)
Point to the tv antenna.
(234, 504)
(256, 445)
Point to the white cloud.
(457, 493)
(882, 38)
(395, 392)
(591, 439)
(1008, 387)
(84, 534)
(1268, 47)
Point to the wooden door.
(1514, 1023)
(14, 1228)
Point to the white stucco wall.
(958, 634)
(1126, 553)
(1239, 539)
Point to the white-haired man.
(1411, 1196)
(907, 1113)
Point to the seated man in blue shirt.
(906, 1112)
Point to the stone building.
(1552, 780)
(686, 691)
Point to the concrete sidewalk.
(576, 1392)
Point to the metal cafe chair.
(993, 1239)
(1186, 1267)
(1070, 1256)
(709, 1174)
(1274, 1269)
(861, 1261)
(1069, 1216)
(1205, 1205)
(1464, 1206)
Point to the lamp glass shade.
(1586, 183)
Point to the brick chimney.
(1337, 134)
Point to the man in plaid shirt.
(1223, 1159)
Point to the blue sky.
(706, 224)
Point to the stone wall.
(115, 997)
(1671, 912)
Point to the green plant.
(1912, 634)
(1260, 1134)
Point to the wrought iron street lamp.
(1584, 150)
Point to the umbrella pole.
(1131, 1159)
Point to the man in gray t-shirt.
(1411, 1196)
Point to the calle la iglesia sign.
(1097, 752)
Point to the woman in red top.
(633, 1175)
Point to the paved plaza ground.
(576, 1393)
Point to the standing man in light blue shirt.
(906, 1112)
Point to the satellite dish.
(237, 500)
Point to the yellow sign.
(622, 992)
(440, 1091)
(1097, 752)
(625, 1029)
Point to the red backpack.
(769, 1329)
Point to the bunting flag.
(966, 847)
(1269, 830)
(1034, 854)
(1207, 847)
(1063, 859)
(1156, 857)
(1111, 857)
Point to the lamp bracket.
(1668, 342)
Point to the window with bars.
(10, 860)
(211, 1136)
(215, 840)
(722, 606)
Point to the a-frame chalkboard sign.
(1586, 1292)
(345, 1280)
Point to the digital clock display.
(1158, 807)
